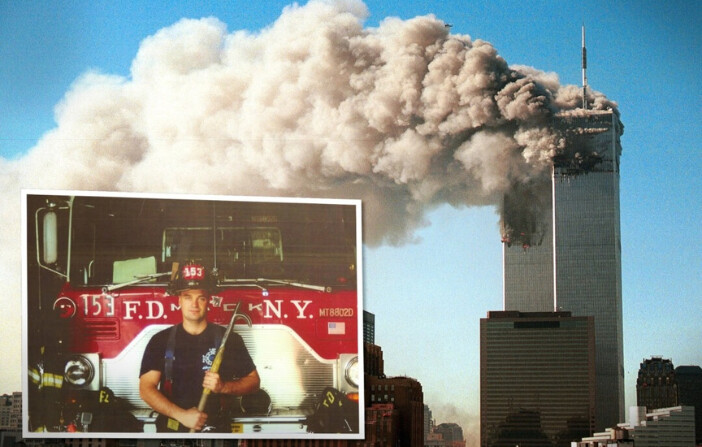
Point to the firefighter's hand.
(193, 418)
(213, 382)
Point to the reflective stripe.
(52, 380)
(46, 379)
(35, 376)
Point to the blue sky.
(431, 294)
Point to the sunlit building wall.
(662, 427)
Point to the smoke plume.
(405, 116)
(468, 421)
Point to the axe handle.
(217, 361)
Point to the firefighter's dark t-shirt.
(193, 355)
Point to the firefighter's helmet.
(191, 276)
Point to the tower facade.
(11, 411)
(537, 378)
(368, 327)
(575, 263)
(656, 385)
(689, 378)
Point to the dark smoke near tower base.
(404, 116)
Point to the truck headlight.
(79, 371)
(352, 372)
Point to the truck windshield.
(239, 251)
(118, 240)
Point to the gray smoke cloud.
(469, 422)
(405, 116)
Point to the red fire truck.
(98, 267)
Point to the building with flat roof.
(571, 260)
(537, 378)
(451, 433)
(662, 427)
(373, 364)
(11, 411)
(368, 327)
(406, 396)
(382, 424)
(689, 379)
(665, 427)
(428, 423)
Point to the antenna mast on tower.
(584, 71)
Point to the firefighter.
(175, 367)
(46, 387)
(45, 392)
(56, 406)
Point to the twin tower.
(562, 298)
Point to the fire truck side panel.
(292, 376)
(295, 338)
(326, 321)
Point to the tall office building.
(537, 379)
(574, 261)
(656, 385)
(368, 327)
(11, 411)
(428, 422)
(663, 427)
(405, 395)
(689, 379)
(451, 433)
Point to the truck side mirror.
(50, 248)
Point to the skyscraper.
(537, 378)
(574, 262)
(11, 411)
(368, 327)
(689, 379)
(656, 385)
(451, 432)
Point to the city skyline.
(430, 290)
